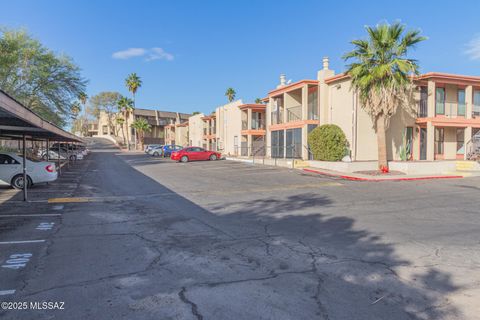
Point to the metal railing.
(423, 109)
(277, 116)
(258, 124)
(294, 113)
(476, 110)
(473, 148)
(213, 130)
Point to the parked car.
(169, 148)
(194, 154)
(11, 170)
(150, 146)
(156, 151)
(52, 155)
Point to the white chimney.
(325, 63)
(283, 80)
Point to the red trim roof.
(252, 106)
(292, 87)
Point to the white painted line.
(21, 241)
(58, 207)
(29, 215)
(6, 292)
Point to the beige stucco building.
(195, 130)
(443, 121)
(158, 121)
(228, 125)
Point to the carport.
(20, 123)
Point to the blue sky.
(188, 52)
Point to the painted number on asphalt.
(17, 261)
(44, 226)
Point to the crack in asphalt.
(194, 307)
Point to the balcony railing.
(454, 110)
(294, 114)
(258, 124)
(277, 116)
(423, 109)
(476, 110)
(244, 125)
(205, 131)
(213, 130)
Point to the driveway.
(137, 237)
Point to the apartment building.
(253, 133)
(210, 132)
(229, 128)
(195, 130)
(444, 122)
(181, 134)
(158, 120)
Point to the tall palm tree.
(142, 126)
(125, 106)
(82, 96)
(230, 94)
(75, 109)
(258, 100)
(133, 82)
(381, 76)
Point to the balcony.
(277, 116)
(423, 109)
(476, 110)
(258, 124)
(213, 130)
(205, 131)
(244, 125)
(294, 114)
(451, 110)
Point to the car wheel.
(17, 182)
(155, 154)
(73, 157)
(213, 157)
(184, 159)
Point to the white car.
(11, 171)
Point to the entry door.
(423, 144)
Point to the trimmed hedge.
(327, 143)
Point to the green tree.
(133, 83)
(327, 143)
(230, 94)
(125, 106)
(141, 126)
(43, 81)
(195, 112)
(381, 76)
(258, 100)
(107, 102)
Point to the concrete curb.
(353, 178)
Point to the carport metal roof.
(17, 120)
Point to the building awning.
(17, 120)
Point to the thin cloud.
(129, 53)
(473, 48)
(159, 54)
(149, 54)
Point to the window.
(476, 103)
(423, 112)
(313, 104)
(293, 143)
(439, 101)
(277, 143)
(439, 139)
(5, 159)
(461, 102)
(105, 129)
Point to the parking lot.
(126, 235)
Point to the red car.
(193, 154)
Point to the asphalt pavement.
(128, 236)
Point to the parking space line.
(6, 292)
(30, 215)
(21, 241)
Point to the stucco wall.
(181, 136)
(229, 126)
(195, 130)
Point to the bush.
(327, 143)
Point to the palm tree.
(230, 94)
(258, 100)
(381, 75)
(82, 96)
(125, 106)
(133, 82)
(120, 122)
(75, 109)
(142, 126)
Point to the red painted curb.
(351, 178)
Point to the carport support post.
(25, 182)
(48, 148)
(59, 163)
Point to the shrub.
(327, 143)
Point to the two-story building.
(210, 132)
(253, 141)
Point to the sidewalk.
(364, 177)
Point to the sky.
(188, 53)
